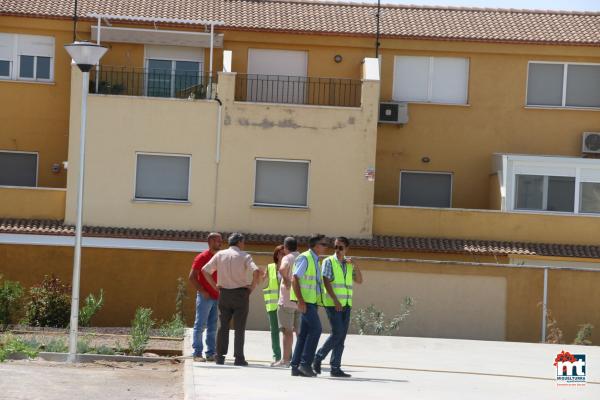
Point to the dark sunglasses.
(340, 248)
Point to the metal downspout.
(217, 160)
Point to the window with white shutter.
(431, 79)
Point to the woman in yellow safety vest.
(271, 295)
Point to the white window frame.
(15, 62)
(148, 200)
(35, 78)
(564, 88)
(255, 204)
(37, 165)
(550, 166)
(173, 61)
(544, 193)
(10, 71)
(425, 172)
(430, 81)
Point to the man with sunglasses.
(306, 291)
(339, 273)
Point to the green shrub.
(371, 321)
(583, 335)
(105, 87)
(10, 301)
(119, 349)
(15, 345)
(83, 345)
(59, 345)
(32, 342)
(173, 328)
(140, 331)
(49, 303)
(90, 308)
(104, 350)
(56, 346)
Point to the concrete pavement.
(415, 368)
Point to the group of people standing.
(296, 285)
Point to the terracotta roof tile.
(445, 23)
(393, 243)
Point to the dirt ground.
(38, 379)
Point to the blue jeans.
(206, 317)
(339, 320)
(308, 338)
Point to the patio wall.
(486, 225)
(32, 203)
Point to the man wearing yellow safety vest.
(339, 274)
(271, 296)
(306, 285)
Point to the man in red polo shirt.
(206, 301)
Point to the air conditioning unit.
(590, 143)
(393, 113)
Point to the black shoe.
(306, 371)
(295, 372)
(317, 366)
(219, 360)
(241, 363)
(338, 373)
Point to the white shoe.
(280, 364)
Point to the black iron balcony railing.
(153, 83)
(298, 90)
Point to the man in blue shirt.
(310, 326)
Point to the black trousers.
(233, 303)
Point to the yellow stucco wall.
(37, 203)
(118, 126)
(460, 139)
(486, 225)
(340, 144)
(495, 199)
(35, 116)
(133, 278)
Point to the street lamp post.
(85, 55)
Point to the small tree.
(180, 297)
(90, 308)
(10, 301)
(176, 326)
(140, 331)
(371, 321)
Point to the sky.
(570, 5)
